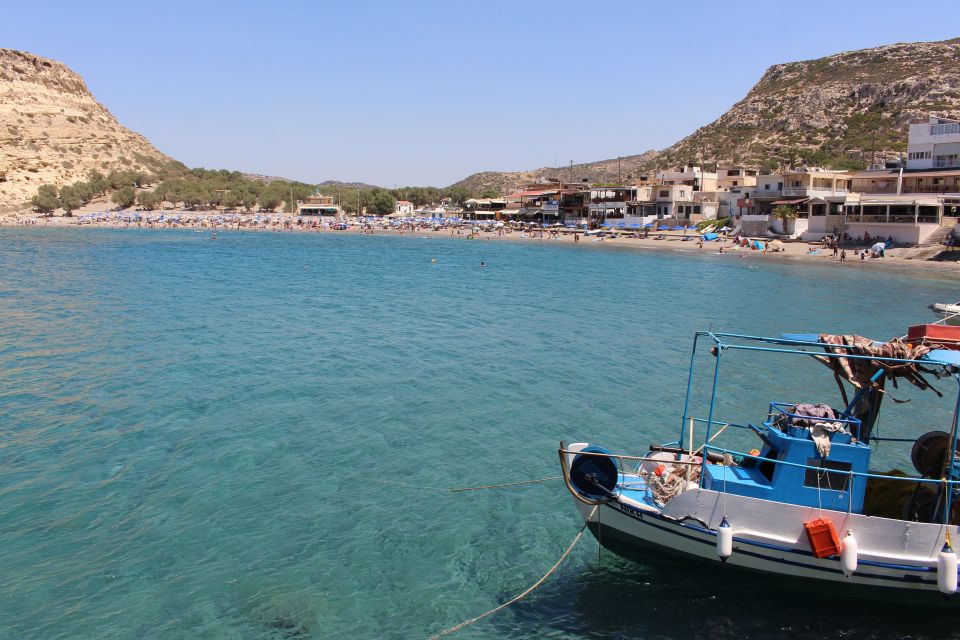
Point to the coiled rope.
(517, 598)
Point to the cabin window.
(830, 474)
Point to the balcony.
(946, 162)
(815, 192)
(931, 188)
(944, 129)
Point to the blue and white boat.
(802, 500)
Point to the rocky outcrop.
(52, 130)
(848, 108)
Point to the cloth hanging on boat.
(820, 432)
(861, 371)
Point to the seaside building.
(916, 202)
(403, 208)
(575, 205)
(816, 194)
(691, 176)
(610, 204)
(736, 176)
(318, 205)
(483, 208)
(536, 203)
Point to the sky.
(426, 93)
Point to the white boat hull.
(769, 537)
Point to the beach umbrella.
(663, 227)
(877, 248)
(677, 228)
(648, 225)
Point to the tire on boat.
(929, 451)
(594, 477)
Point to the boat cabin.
(792, 467)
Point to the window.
(766, 187)
(829, 474)
(918, 155)
(696, 208)
(664, 194)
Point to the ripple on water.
(249, 438)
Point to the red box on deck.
(823, 537)
(946, 334)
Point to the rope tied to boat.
(528, 591)
(504, 484)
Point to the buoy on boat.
(848, 554)
(947, 570)
(724, 540)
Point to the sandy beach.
(929, 259)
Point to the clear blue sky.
(429, 92)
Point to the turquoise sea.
(252, 437)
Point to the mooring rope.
(505, 484)
(467, 623)
(460, 489)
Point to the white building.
(934, 144)
(404, 208)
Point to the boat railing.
(733, 454)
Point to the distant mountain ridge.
(843, 110)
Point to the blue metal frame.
(730, 341)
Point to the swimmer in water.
(483, 265)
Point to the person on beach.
(576, 238)
(843, 256)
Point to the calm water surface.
(250, 437)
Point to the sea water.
(253, 436)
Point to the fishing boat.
(800, 498)
(949, 313)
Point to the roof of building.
(405, 202)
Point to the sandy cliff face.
(52, 130)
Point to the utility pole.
(358, 201)
(619, 179)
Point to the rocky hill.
(842, 110)
(601, 171)
(52, 130)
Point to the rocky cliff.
(843, 110)
(52, 130)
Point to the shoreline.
(794, 252)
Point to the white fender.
(724, 540)
(947, 570)
(848, 554)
